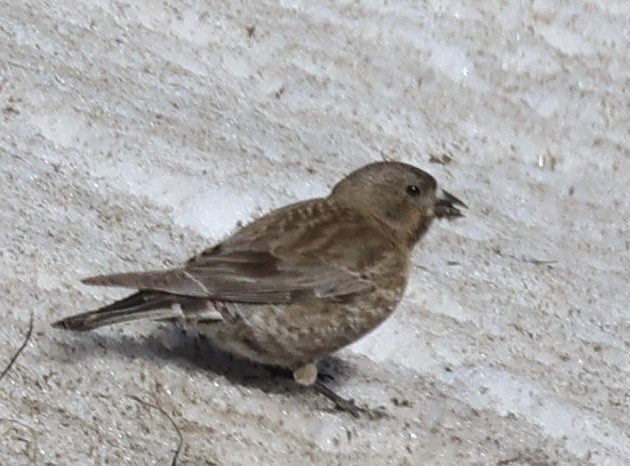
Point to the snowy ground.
(132, 135)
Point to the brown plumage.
(302, 281)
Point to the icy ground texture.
(132, 135)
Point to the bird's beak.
(445, 206)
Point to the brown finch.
(302, 281)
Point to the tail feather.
(176, 281)
(152, 305)
(129, 279)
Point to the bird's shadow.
(173, 344)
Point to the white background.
(134, 135)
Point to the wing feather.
(307, 252)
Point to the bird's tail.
(153, 305)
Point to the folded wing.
(275, 260)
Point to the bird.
(298, 283)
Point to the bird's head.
(398, 195)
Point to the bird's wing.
(305, 251)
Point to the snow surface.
(133, 135)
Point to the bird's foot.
(348, 405)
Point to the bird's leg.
(341, 403)
(306, 374)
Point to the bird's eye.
(413, 190)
